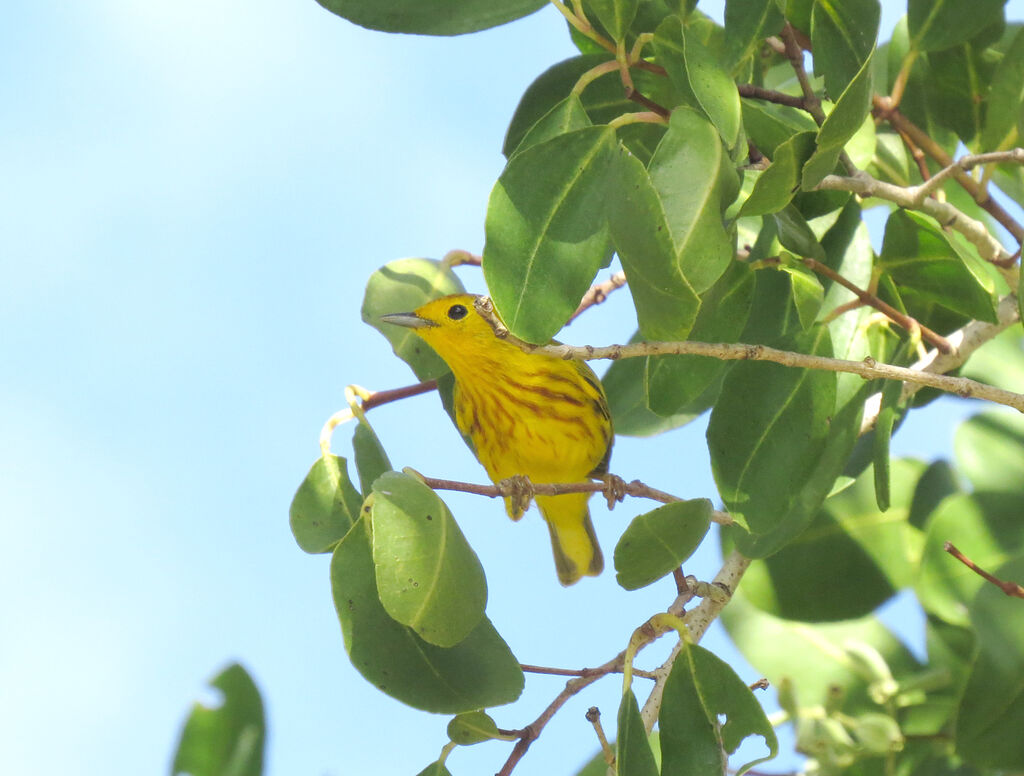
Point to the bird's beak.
(408, 320)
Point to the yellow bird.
(527, 414)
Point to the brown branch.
(509, 489)
(1011, 589)
(884, 109)
(598, 293)
(531, 669)
(651, 105)
(378, 398)
(795, 54)
(770, 95)
(682, 586)
(907, 322)
(594, 718)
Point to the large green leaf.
(843, 33)
(665, 301)
(695, 181)
(615, 15)
(701, 689)
(814, 658)
(695, 71)
(401, 286)
(776, 186)
(990, 451)
(428, 576)
(325, 506)
(846, 118)
(849, 560)
(567, 116)
(922, 259)
(957, 86)
(633, 753)
(657, 542)
(672, 383)
(624, 387)
(987, 528)
(227, 739)
(747, 24)
(371, 459)
(764, 452)
(1004, 99)
(603, 99)
(478, 672)
(769, 125)
(988, 723)
(939, 24)
(431, 17)
(547, 233)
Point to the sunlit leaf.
(325, 506)
(431, 17)
(657, 542)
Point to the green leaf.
(615, 15)
(602, 100)
(763, 452)
(428, 576)
(814, 659)
(990, 451)
(939, 24)
(472, 727)
(695, 70)
(547, 234)
(776, 186)
(957, 86)
(695, 181)
(796, 234)
(478, 672)
(657, 542)
(848, 561)
(325, 506)
(671, 383)
(747, 23)
(769, 125)
(921, 258)
(402, 286)
(700, 689)
(988, 722)
(633, 753)
(624, 386)
(431, 17)
(228, 739)
(808, 293)
(567, 116)
(435, 769)
(843, 34)
(984, 526)
(665, 302)
(840, 125)
(1005, 96)
(371, 460)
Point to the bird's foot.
(518, 492)
(614, 489)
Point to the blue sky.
(193, 195)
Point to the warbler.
(527, 414)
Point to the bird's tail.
(572, 536)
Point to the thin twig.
(370, 399)
(965, 341)
(902, 319)
(598, 293)
(634, 488)
(795, 54)
(869, 368)
(770, 95)
(883, 108)
(1011, 589)
(457, 257)
(531, 669)
(594, 718)
(697, 621)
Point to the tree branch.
(598, 293)
(1010, 588)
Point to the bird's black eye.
(457, 312)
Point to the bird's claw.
(614, 489)
(518, 492)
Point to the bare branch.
(1010, 588)
(598, 293)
